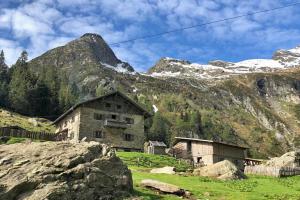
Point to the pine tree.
(3, 81)
(2, 59)
(22, 81)
(22, 60)
(49, 77)
(67, 95)
(39, 98)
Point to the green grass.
(253, 188)
(8, 118)
(143, 160)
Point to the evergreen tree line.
(24, 91)
(189, 124)
(186, 125)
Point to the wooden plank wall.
(21, 133)
(272, 171)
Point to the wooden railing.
(116, 123)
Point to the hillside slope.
(8, 118)
(259, 108)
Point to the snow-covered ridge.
(295, 50)
(170, 67)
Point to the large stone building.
(114, 119)
(206, 152)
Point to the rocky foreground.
(65, 171)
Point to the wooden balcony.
(115, 124)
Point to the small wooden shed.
(155, 147)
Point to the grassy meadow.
(253, 188)
(8, 118)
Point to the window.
(119, 107)
(129, 120)
(114, 116)
(128, 137)
(199, 159)
(66, 123)
(99, 134)
(107, 105)
(72, 119)
(98, 116)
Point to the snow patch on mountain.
(121, 68)
(295, 50)
(258, 63)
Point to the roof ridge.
(145, 112)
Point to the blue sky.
(39, 25)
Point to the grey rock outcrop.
(65, 171)
(224, 170)
(289, 159)
(220, 63)
(163, 187)
(163, 170)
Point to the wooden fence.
(272, 171)
(22, 133)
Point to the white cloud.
(42, 11)
(136, 10)
(25, 26)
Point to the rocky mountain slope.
(254, 102)
(83, 62)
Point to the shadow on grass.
(147, 195)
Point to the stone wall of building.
(113, 120)
(114, 136)
(70, 124)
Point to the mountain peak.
(91, 35)
(88, 50)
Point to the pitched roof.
(144, 111)
(210, 141)
(157, 143)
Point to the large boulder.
(164, 187)
(163, 170)
(289, 159)
(224, 170)
(65, 171)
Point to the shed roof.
(144, 111)
(210, 141)
(157, 143)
